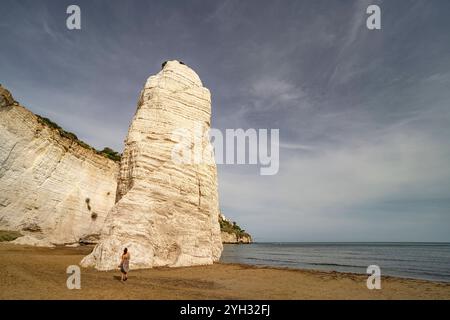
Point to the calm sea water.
(430, 261)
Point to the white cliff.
(166, 213)
(52, 189)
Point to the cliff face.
(52, 189)
(166, 212)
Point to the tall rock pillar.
(166, 212)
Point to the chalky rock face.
(52, 190)
(166, 212)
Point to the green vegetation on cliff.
(6, 98)
(111, 154)
(9, 235)
(106, 152)
(232, 227)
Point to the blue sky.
(364, 116)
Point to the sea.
(427, 261)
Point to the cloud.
(293, 146)
(269, 88)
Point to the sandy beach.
(40, 273)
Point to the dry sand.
(40, 273)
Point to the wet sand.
(40, 273)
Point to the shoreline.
(40, 273)
(317, 271)
(349, 257)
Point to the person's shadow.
(119, 278)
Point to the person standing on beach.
(125, 264)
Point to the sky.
(364, 115)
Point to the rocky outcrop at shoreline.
(231, 233)
(232, 238)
